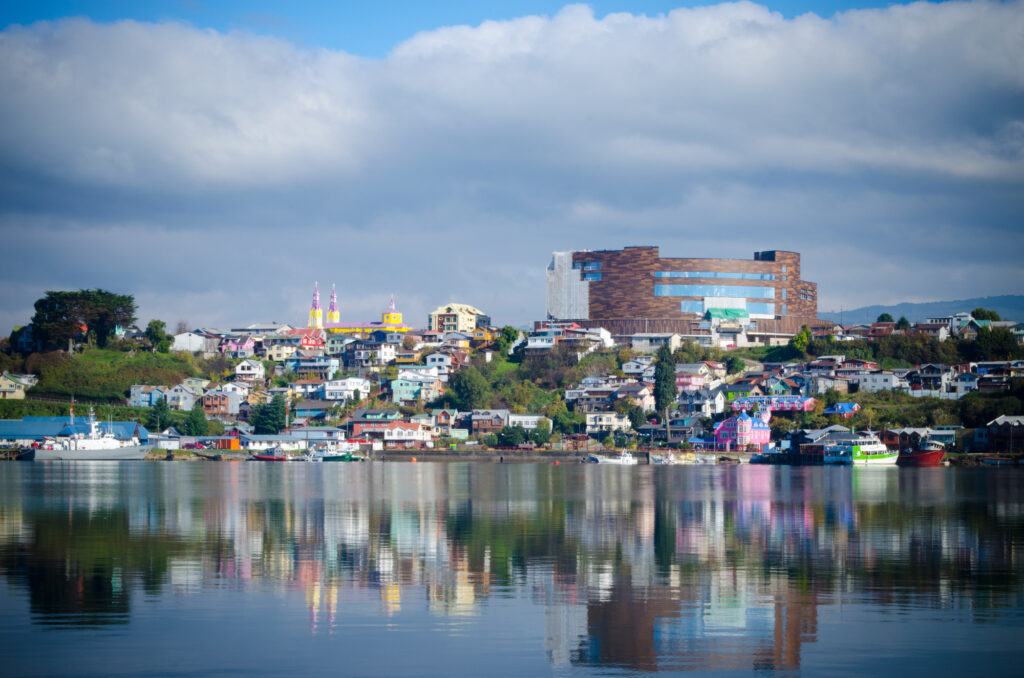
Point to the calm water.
(245, 569)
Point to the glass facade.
(762, 308)
(691, 306)
(714, 291)
(714, 274)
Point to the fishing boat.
(624, 458)
(927, 453)
(861, 449)
(91, 445)
(345, 450)
(273, 454)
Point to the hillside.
(1008, 306)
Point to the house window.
(783, 293)
(592, 276)
(592, 266)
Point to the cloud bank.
(216, 176)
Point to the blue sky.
(369, 29)
(218, 164)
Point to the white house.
(872, 382)
(241, 388)
(346, 389)
(193, 343)
(527, 421)
(181, 398)
(250, 370)
(607, 421)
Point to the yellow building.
(457, 318)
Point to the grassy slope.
(107, 375)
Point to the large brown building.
(635, 290)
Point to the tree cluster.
(269, 417)
(61, 316)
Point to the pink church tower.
(316, 314)
(333, 317)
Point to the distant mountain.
(1008, 306)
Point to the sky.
(217, 159)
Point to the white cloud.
(450, 169)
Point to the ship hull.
(132, 453)
(921, 458)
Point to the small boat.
(272, 454)
(624, 458)
(344, 450)
(704, 458)
(928, 453)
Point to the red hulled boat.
(927, 453)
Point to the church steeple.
(391, 316)
(333, 317)
(316, 314)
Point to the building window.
(784, 278)
(783, 269)
(691, 306)
(761, 308)
(783, 293)
(577, 265)
(591, 276)
(592, 266)
(714, 291)
(714, 274)
(783, 309)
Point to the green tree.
(156, 332)
(734, 365)
(984, 314)
(195, 422)
(801, 340)
(469, 389)
(665, 390)
(903, 323)
(61, 316)
(508, 336)
(542, 434)
(885, 318)
(510, 436)
(159, 416)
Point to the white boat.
(624, 458)
(343, 450)
(864, 449)
(91, 446)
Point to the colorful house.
(736, 433)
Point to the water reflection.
(643, 569)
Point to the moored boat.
(927, 453)
(345, 450)
(92, 445)
(624, 458)
(862, 449)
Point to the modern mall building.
(634, 290)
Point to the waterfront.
(527, 569)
